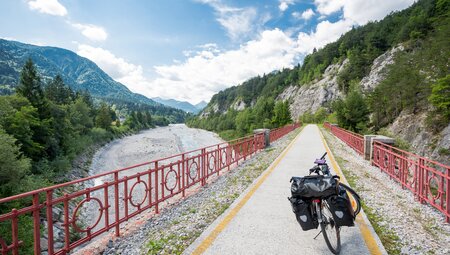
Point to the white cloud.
(117, 68)
(284, 4)
(204, 73)
(361, 11)
(327, 7)
(306, 15)
(92, 32)
(325, 32)
(238, 22)
(207, 69)
(52, 7)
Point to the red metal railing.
(356, 141)
(427, 179)
(109, 199)
(275, 134)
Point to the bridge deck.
(261, 220)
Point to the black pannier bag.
(341, 208)
(317, 186)
(303, 213)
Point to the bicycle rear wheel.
(330, 231)
(357, 199)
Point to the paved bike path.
(261, 221)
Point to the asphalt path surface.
(265, 224)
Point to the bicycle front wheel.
(330, 231)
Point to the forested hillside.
(417, 81)
(79, 73)
(43, 128)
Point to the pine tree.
(30, 85)
(58, 92)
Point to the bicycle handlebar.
(323, 156)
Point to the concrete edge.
(209, 230)
(362, 215)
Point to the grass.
(444, 152)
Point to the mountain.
(388, 77)
(78, 73)
(182, 105)
(201, 105)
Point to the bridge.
(259, 221)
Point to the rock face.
(411, 128)
(312, 96)
(239, 105)
(378, 69)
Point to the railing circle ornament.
(193, 170)
(171, 180)
(131, 193)
(223, 159)
(438, 194)
(75, 214)
(397, 167)
(211, 162)
(410, 174)
(386, 160)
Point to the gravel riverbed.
(179, 224)
(408, 226)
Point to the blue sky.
(188, 49)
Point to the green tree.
(440, 95)
(103, 118)
(14, 166)
(80, 116)
(352, 113)
(30, 85)
(58, 92)
(282, 114)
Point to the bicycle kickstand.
(317, 235)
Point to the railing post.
(203, 171)
(218, 160)
(66, 224)
(36, 225)
(116, 202)
(105, 193)
(421, 179)
(156, 188)
(15, 232)
(125, 195)
(50, 221)
(447, 197)
(183, 173)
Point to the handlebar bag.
(303, 213)
(341, 208)
(317, 186)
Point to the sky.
(188, 49)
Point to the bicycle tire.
(355, 196)
(327, 224)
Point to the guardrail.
(276, 134)
(109, 199)
(427, 179)
(356, 141)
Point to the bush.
(100, 135)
